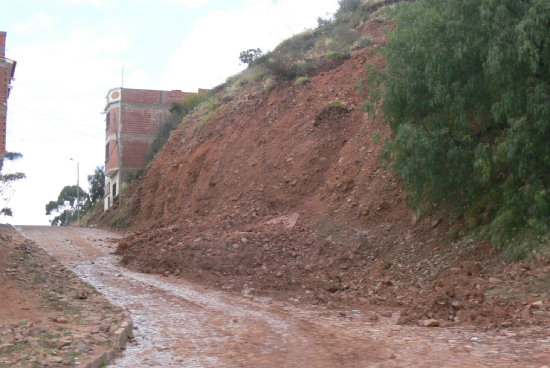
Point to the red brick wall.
(113, 116)
(140, 95)
(142, 112)
(142, 119)
(133, 153)
(2, 43)
(153, 96)
(4, 88)
(139, 126)
(4, 85)
(112, 162)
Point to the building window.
(108, 121)
(114, 190)
(107, 152)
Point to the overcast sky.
(69, 53)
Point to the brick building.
(7, 69)
(132, 120)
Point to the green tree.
(96, 182)
(466, 90)
(6, 182)
(66, 205)
(248, 56)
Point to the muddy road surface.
(179, 324)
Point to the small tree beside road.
(67, 205)
(6, 181)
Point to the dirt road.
(178, 324)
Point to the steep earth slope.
(280, 191)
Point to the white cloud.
(38, 21)
(103, 3)
(61, 83)
(54, 114)
(190, 3)
(138, 79)
(210, 51)
(100, 3)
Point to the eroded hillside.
(279, 191)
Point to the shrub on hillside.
(302, 80)
(362, 42)
(348, 6)
(248, 56)
(466, 91)
(336, 104)
(336, 55)
(177, 112)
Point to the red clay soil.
(282, 193)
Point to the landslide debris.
(279, 191)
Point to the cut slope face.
(270, 152)
(281, 190)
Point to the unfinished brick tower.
(132, 120)
(7, 69)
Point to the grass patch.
(376, 137)
(360, 86)
(336, 104)
(48, 336)
(302, 80)
(20, 347)
(501, 292)
(208, 112)
(336, 55)
(58, 291)
(203, 121)
(527, 245)
(362, 42)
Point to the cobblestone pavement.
(178, 324)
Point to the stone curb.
(122, 334)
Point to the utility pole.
(77, 189)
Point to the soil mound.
(280, 191)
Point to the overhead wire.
(81, 128)
(72, 122)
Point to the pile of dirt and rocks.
(281, 192)
(48, 316)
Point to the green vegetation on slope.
(332, 40)
(178, 110)
(466, 91)
(6, 181)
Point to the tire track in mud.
(183, 325)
